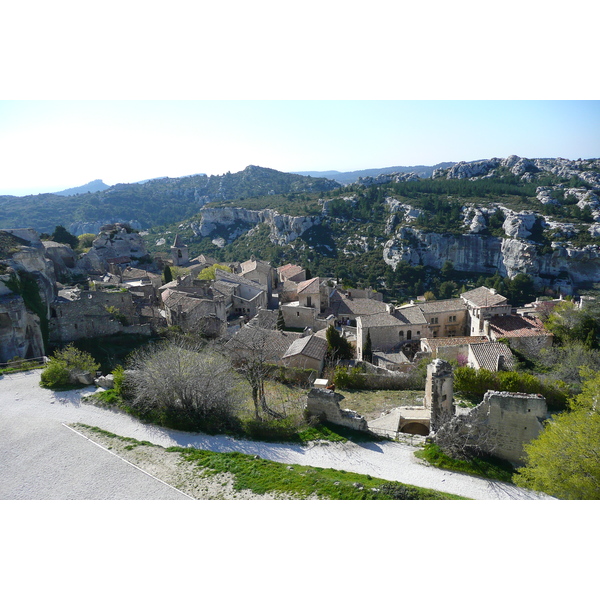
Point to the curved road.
(41, 458)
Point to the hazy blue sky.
(52, 145)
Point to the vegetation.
(62, 236)
(338, 347)
(262, 476)
(472, 384)
(62, 368)
(209, 272)
(564, 460)
(481, 466)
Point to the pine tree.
(280, 321)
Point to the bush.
(59, 371)
(55, 375)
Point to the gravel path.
(42, 458)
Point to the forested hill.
(155, 202)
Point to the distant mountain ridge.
(348, 177)
(93, 186)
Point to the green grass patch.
(262, 476)
(489, 468)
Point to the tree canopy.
(564, 460)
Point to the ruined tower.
(439, 392)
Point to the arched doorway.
(415, 429)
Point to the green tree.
(209, 272)
(62, 236)
(564, 460)
(64, 365)
(85, 240)
(280, 325)
(167, 275)
(338, 347)
(368, 351)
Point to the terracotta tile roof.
(185, 303)
(517, 326)
(311, 346)
(482, 296)
(289, 270)
(486, 354)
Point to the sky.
(51, 145)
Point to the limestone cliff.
(236, 221)
(488, 254)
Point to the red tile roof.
(517, 326)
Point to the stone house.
(446, 318)
(347, 305)
(306, 353)
(269, 345)
(195, 314)
(261, 272)
(304, 311)
(389, 330)
(291, 272)
(454, 348)
(482, 304)
(244, 297)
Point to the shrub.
(61, 366)
(55, 375)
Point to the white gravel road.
(42, 458)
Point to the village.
(118, 293)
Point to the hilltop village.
(120, 290)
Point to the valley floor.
(45, 455)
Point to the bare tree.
(185, 377)
(468, 435)
(253, 350)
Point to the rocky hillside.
(155, 202)
(504, 217)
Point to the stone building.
(179, 252)
(78, 314)
(306, 353)
(482, 304)
(492, 356)
(260, 272)
(390, 329)
(446, 318)
(525, 334)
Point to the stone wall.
(325, 404)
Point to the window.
(409, 335)
(452, 319)
(434, 320)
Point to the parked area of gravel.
(45, 454)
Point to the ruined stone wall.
(326, 404)
(516, 419)
(87, 316)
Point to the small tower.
(439, 392)
(179, 252)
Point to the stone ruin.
(439, 392)
(325, 404)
